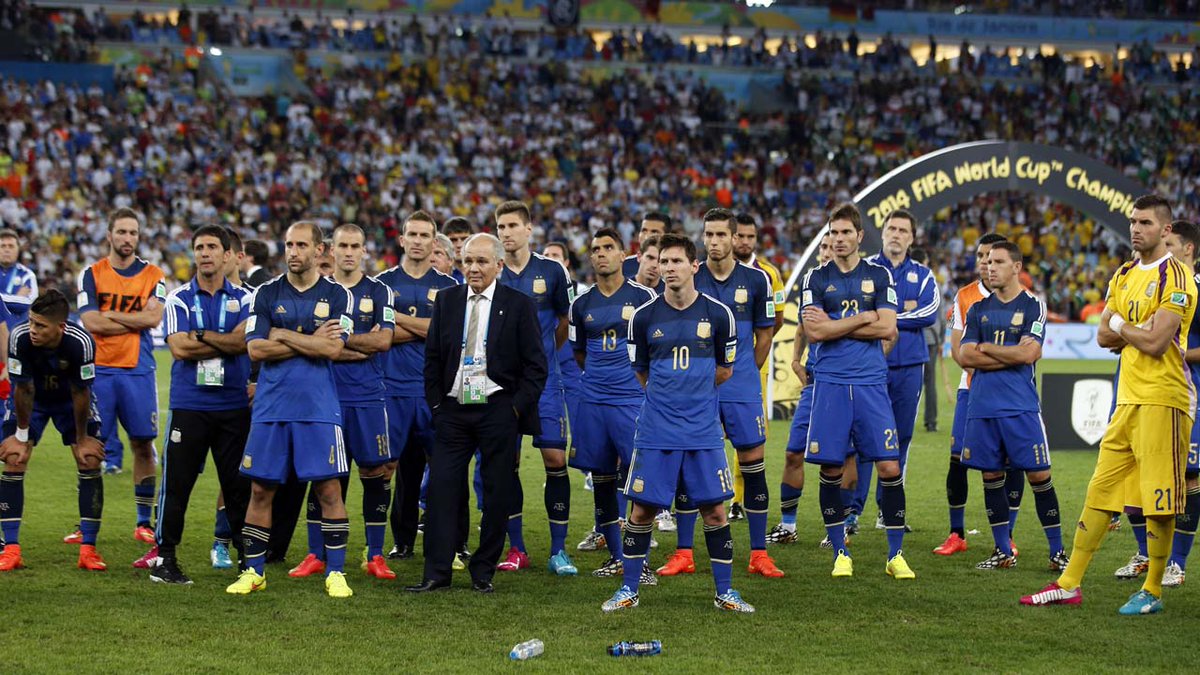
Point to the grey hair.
(446, 244)
(497, 247)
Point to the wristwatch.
(200, 335)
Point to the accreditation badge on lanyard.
(473, 388)
(209, 372)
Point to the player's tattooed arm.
(762, 345)
(723, 373)
(971, 357)
(377, 340)
(560, 333)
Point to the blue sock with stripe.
(604, 492)
(1185, 528)
(312, 509)
(375, 511)
(1045, 498)
(12, 506)
(1137, 522)
(1014, 488)
(143, 497)
(995, 502)
(757, 498)
(893, 507)
(833, 512)
(719, 541)
(336, 532)
(255, 538)
(789, 502)
(557, 496)
(222, 534)
(685, 520)
(633, 557)
(91, 504)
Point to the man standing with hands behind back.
(484, 374)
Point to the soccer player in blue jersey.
(458, 230)
(1003, 342)
(647, 270)
(918, 300)
(746, 291)
(546, 282)
(18, 283)
(52, 365)
(568, 368)
(804, 358)
(298, 326)
(358, 371)
(654, 224)
(683, 345)
(610, 395)
(1183, 241)
(415, 285)
(849, 307)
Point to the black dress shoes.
(428, 585)
(483, 587)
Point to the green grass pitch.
(952, 618)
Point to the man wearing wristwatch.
(205, 330)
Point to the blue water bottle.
(636, 648)
(527, 650)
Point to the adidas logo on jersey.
(657, 333)
(831, 289)
(280, 310)
(588, 318)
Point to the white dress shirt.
(485, 313)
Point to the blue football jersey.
(189, 308)
(865, 288)
(360, 382)
(1012, 390)
(545, 281)
(297, 389)
(600, 327)
(680, 350)
(53, 371)
(630, 266)
(747, 293)
(18, 289)
(404, 372)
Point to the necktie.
(473, 327)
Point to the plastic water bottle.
(636, 648)
(527, 650)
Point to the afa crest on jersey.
(627, 312)
(321, 310)
(366, 305)
(1018, 318)
(539, 285)
(703, 330)
(868, 286)
(741, 295)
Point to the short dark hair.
(353, 229)
(457, 225)
(258, 251)
(652, 240)
(9, 233)
(51, 304)
(1161, 205)
(420, 216)
(318, 236)
(656, 216)
(719, 214)
(221, 234)
(566, 252)
(847, 211)
(1189, 232)
(743, 218)
(919, 255)
(123, 213)
(1014, 251)
(990, 239)
(235, 240)
(513, 206)
(612, 233)
(672, 240)
(907, 215)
